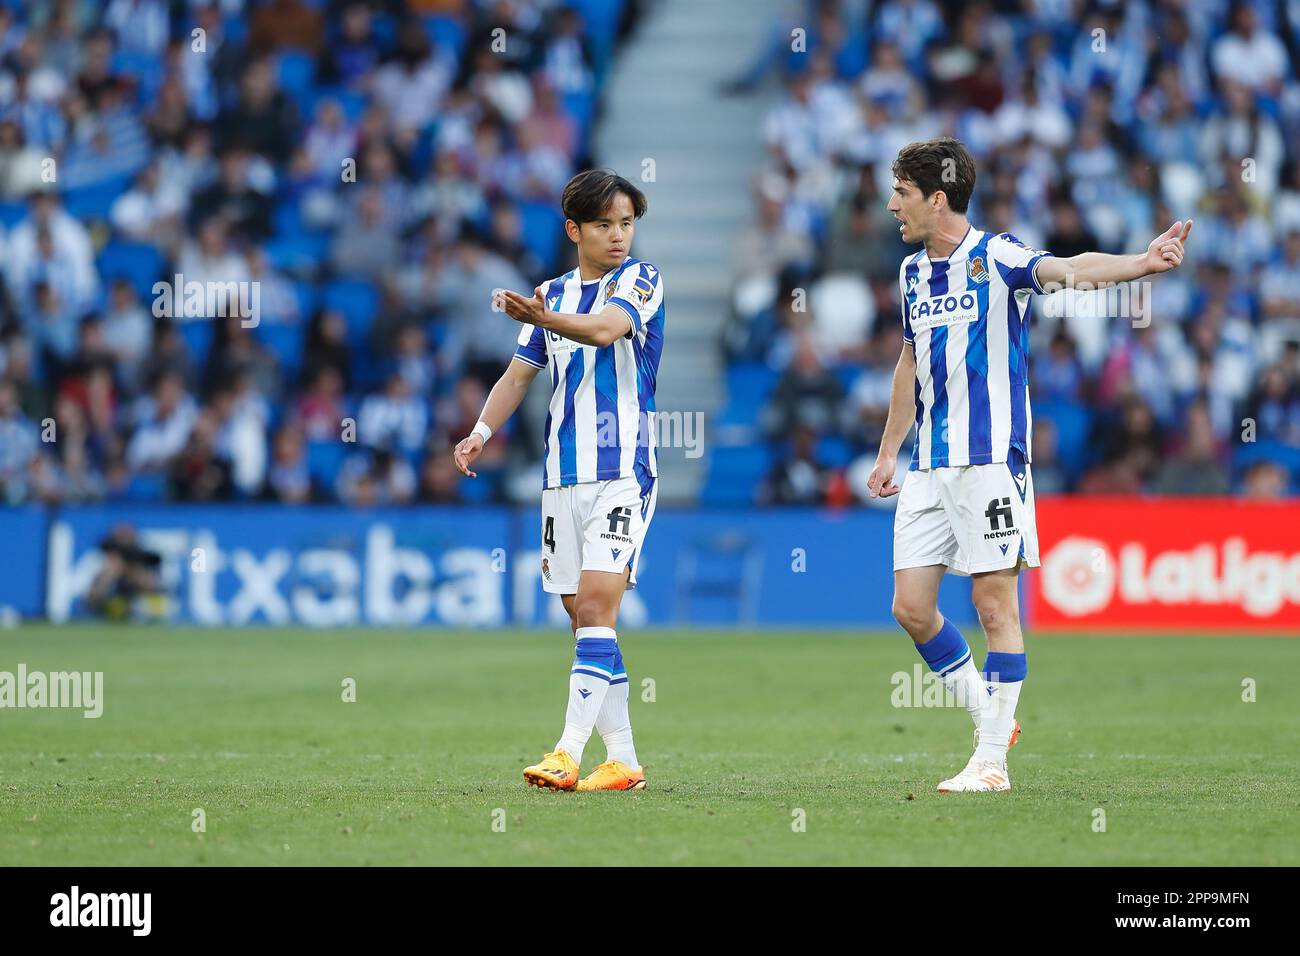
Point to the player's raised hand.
(1166, 249)
(522, 309)
(468, 449)
(881, 479)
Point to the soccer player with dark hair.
(599, 331)
(967, 503)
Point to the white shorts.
(972, 518)
(593, 526)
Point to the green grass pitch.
(744, 731)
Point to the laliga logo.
(1078, 576)
(1081, 577)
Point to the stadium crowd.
(1094, 127)
(358, 174)
(375, 168)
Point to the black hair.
(939, 164)
(588, 194)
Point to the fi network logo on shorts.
(102, 909)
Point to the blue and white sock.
(593, 669)
(613, 722)
(1004, 674)
(949, 656)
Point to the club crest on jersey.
(976, 270)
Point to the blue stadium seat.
(146, 486)
(12, 213)
(95, 200)
(735, 472)
(582, 107)
(748, 386)
(448, 33)
(300, 253)
(354, 104)
(137, 262)
(307, 299)
(296, 72)
(1073, 423)
(357, 300)
(834, 452)
(285, 342)
(324, 459)
(286, 219)
(601, 18)
(541, 226)
(197, 335)
(751, 382)
(145, 68)
(477, 492)
(1267, 449)
(383, 28)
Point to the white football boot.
(979, 776)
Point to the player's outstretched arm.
(1164, 253)
(902, 407)
(598, 329)
(501, 403)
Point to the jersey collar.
(967, 240)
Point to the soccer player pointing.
(967, 503)
(599, 332)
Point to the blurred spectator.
(1049, 476)
(51, 246)
(152, 210)
(1265, 480)
(807, 396)
(379, 477)
(18, 444)
(128, 332)
(797, 478)
(163, 422)
(288, 479)
(1186, 111)
(128, 581)
(20, 164)
(438, 478)
(320, 410)
(1195, 467)
(394, 418)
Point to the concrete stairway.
(662, 103)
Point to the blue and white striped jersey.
(601, 420)
(967, 318)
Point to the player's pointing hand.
(468, 449)
(1166, 249)
(522, 309)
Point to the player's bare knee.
(593, 611)
(917, 618)
(997, 613)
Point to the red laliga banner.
(1167, 564)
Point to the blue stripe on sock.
(597, 657)
(1003, 668)
(946, 650)
(618, 680)
(948, 668)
